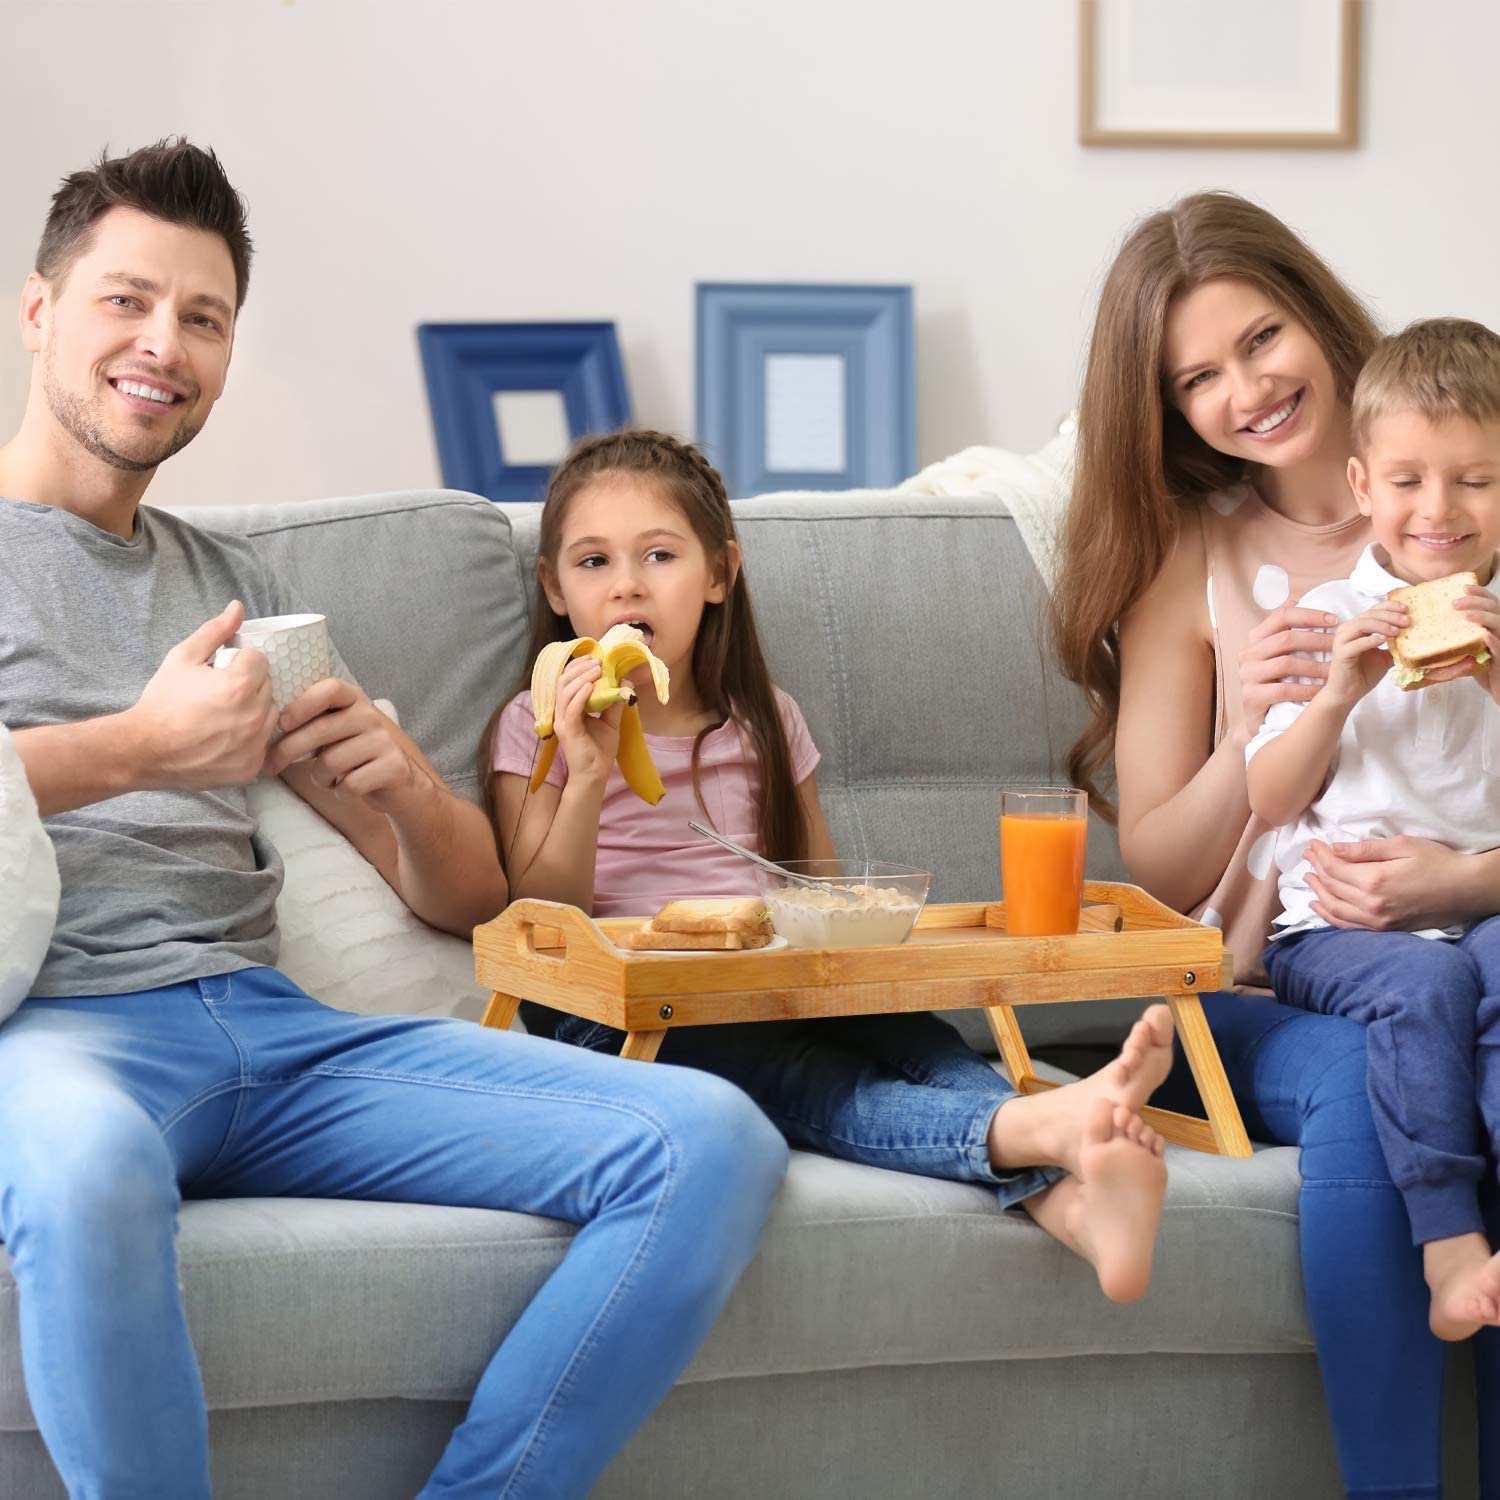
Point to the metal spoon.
(755, 859)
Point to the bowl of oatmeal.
(855, 903)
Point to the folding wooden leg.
(642, 1045)
(1007, 1033)
(501, 1010)
(1222, 1133)
(1208, 1073)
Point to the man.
(159, 1054)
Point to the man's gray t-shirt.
(157, 887)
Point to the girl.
(637, 527)
(1211, 490)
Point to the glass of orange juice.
(1043, 836)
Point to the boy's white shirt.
(1424, 763)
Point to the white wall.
(490, 159)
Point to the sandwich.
(728, 924)
(1441, 643)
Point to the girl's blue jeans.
(900, 1091)
(114, 1108)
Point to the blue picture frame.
(466, 364)
(868, 328)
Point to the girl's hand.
(1267, 661)
(1358, 661)
(1483, 608)
(1388, 885)
(589, 741)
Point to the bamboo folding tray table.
(958, 957)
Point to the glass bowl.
(857, 903)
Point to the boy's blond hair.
(1439, 367)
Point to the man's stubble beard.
(80, 420)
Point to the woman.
(1210, 495)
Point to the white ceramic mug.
(296, 646)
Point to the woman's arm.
(1402, 884)
(1183, 804)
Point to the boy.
(1370, 758)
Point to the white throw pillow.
(346, 937)
(28, 881)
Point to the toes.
(1098, 1122)
(1157, 1019)
(1489, 1279)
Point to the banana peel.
(620, 650)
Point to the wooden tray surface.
(959, 956)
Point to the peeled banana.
(620, 650)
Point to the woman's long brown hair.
(729, 667)
(1140, 467)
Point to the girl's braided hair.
(729, 667)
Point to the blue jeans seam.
(202, 1097)
(246, 1072)
(1383, 1184)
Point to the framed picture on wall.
(806, 387)
(1188, 73)
(509, 399)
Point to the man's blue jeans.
(114, 1108)
(1432, 1011)
(901, 1091)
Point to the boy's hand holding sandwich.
(1360, 656)
(1288, 773)
(1483, 609)
(1451, 635)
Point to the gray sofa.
(896, 1336)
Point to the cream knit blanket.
(1034, 486)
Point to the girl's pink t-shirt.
(648, 855)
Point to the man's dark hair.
(173, 180)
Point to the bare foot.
(1464, 1279)
(1109, 1210)
(1047, 1129)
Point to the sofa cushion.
(346, 937)
(306, 1299)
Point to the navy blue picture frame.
(467, 363)
(740, 324)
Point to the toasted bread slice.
(647, 940)
(742, 914)
(1439, 637)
